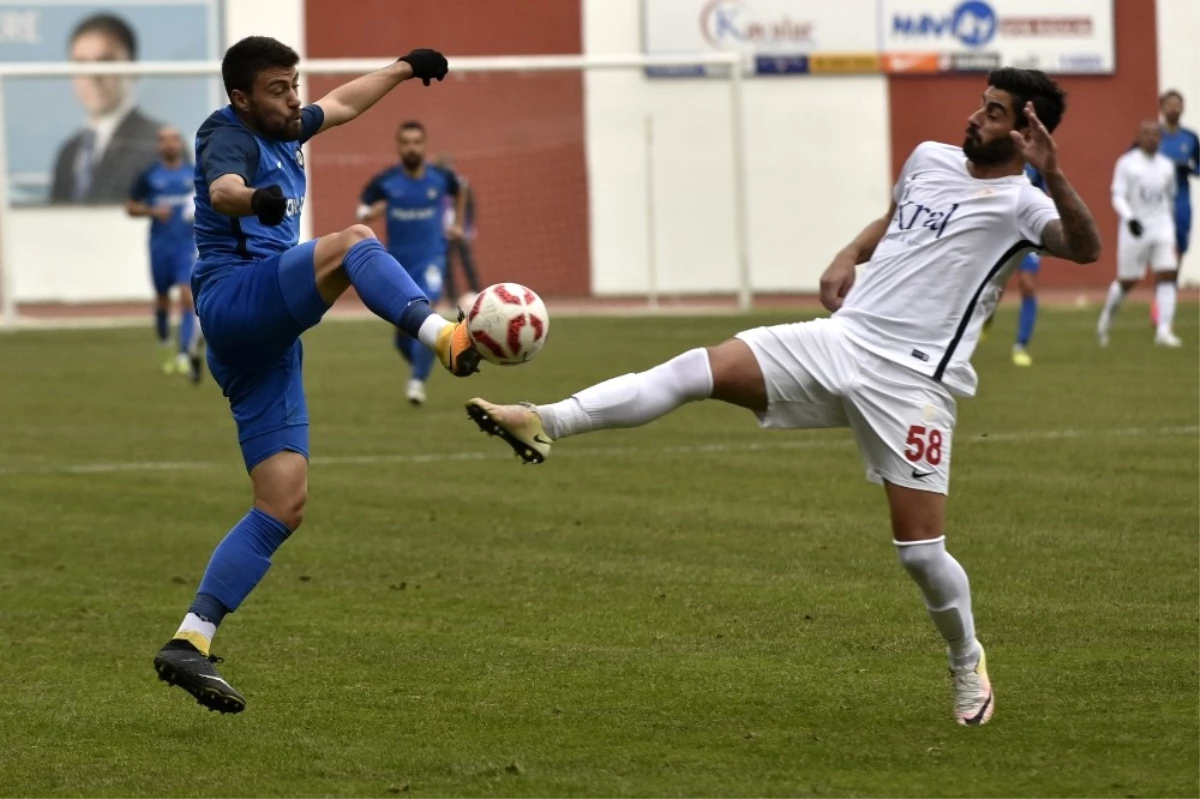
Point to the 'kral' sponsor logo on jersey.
(910, 215)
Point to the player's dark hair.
(410, 124)
(110, 25)
(1168, 94)
(250, 56)
(1031, 86)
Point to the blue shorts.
(1183, 228)
(1030, 263)
(429, 273)
(171, 268)
(252, 317)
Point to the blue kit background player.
(163, 193)
(412, 195)
(1027, 281)
(257, 289)
(1183, 147)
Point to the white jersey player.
(1143, 195)
(895, 351)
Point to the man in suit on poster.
(100, 162)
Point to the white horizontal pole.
(358, 66)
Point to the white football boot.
(974, 701)
(519, 426)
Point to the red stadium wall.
(518, 139)
(1100, 124)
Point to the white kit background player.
(1143, 194)
(897, 347)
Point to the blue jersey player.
(1027, 281)
(1183, 147)
(257, 289)
(163, 192)
(411, 194)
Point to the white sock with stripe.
(631, 400)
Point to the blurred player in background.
(459, 248)
(1143, 194)
(257, 290)
(896, 348)
(1183, 148)
(412, 194)
(1027, 280)
(163, 192)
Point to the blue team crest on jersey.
(431, 193)
(300, 157)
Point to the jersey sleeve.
(230, 151)
(140, 190)
(910, 166)
(311, 120)
(1120, 192)
(1194, 163)
(373, 192)
(453, 184)
(1035, 210)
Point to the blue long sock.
(237, 564)
(405, 345)
(1026, 320)
(160, 324)
(422, 363)
(385, 288)
(187, 328)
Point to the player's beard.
(411, 162)
(990, 153)
(287, 130)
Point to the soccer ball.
(508, 324)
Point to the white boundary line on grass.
(500, 452)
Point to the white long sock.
(1165, 294)
(631, 400)
(1111, 304)
(947, 594)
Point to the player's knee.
(356, 233)
(286, 506)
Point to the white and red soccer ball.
(508, 323)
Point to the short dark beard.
(412, 162)
(285, 131)
(991, 154)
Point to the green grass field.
(695, 608)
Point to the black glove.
(426, 64)
(269, 205)
(1135, 227)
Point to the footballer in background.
(1182, 146)
(411, 194)
(163, 193)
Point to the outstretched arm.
(1073, 235)
(351, 100)
(838, 277)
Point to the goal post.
(574, 195)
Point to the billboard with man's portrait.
(84, 140)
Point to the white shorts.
(1134, 255)
(817, 377)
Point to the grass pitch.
(693, 608)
